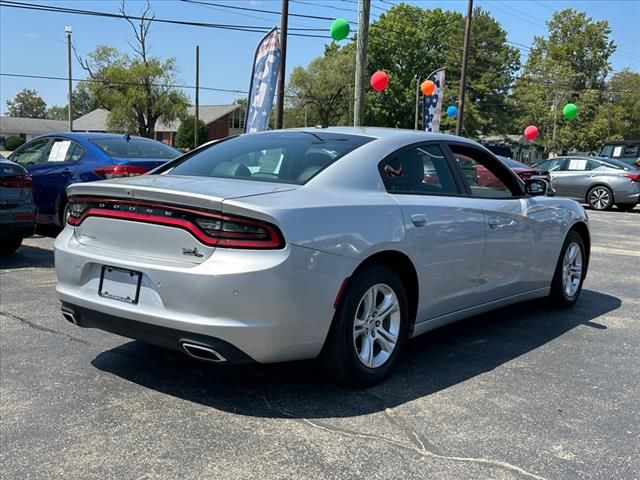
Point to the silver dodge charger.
(338, 243)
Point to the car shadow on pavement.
(27, 257)
(432, 362)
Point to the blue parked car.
(57, 160)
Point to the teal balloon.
(339, 29)
(452, 111)
(570, 111)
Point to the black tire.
(626, 207)
(9, 245)
(558, 295)
(600, 198)
(339, 356)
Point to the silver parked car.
(292, 244)
(599, 182)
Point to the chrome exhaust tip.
(69, 316)
(202, 352)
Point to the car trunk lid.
(156, 216)
(15, 185)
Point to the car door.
(516, 226)
(445, 229)
(52, 175)
(30, 156)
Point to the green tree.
(324, 87)
(57, 113)
(137, 89)
(185, 136)
(27, 103)
(570, 65)
(83, 102)
(622, 113)
(407, 41)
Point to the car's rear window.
(135, 147)
(286, 157)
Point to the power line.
(74, 11)
(540, 81)
(119, 84)
(260, 10)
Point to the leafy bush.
(184, 136)
(13, 142)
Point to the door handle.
(496, 222)
(418, 219)
(493, 222)
(66, 172)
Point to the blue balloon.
(452, 111)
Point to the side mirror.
(536, 187)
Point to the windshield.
(287, 157)
(631, 150)
(135, 147)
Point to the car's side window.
(552, 165)
(418, 170)
(484, 175)
(64, 150)
(31, 153)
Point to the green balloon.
(339, 29)
(570, 111)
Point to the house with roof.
(29, 128)
(521, 149)
(220, 120)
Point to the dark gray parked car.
(17, 211)
(599, 182)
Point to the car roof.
(381, 132)
(89, 135)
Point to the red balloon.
(428, 87)
(531, 132)
(379, 81)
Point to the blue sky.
(33, 42)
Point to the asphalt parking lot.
(524, 392)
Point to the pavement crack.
(49, 330)
(416, 445)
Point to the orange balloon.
(428, 87)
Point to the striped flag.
(432, 104)
(264, 79)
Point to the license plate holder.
(120, 284)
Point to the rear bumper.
(10, 227)
(271, 305)
(154, 334)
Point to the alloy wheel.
(572, 270)
(376, 327)
(599, 198)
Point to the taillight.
(635, 177)
(18, 181)
(234, 232)
(75, 210)
(209, 227)
(117, 171)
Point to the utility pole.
(284, 21)
(463, 75)
(555, 121)
(417, 101)
(361, 61)
(67, 31)
(196, 126)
